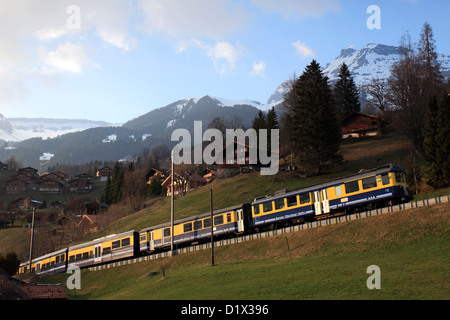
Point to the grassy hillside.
(412, 249)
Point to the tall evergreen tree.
(346, 94)
(443, 139)
(316, 130)
(437, 142)
(434, 169)
(260, 121)
(117, 183)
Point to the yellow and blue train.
(377, 187)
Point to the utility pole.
(172, 209)
(32, 231)
(212, 228)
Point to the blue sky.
(115, 60)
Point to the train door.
(240, 220)
(317, 203)
(151, 241)
(98, 253)
(325, 202)
(166, 236)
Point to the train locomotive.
(378, 187)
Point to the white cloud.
(37, 42)
(303, 50)
(67, 57)
(194, 18)
(258, 69)
(223, 54)
(298, 8)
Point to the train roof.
(200, 216)
(366, 173)
(100, 240)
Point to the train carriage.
(377, 186)
(194, 229)
(110, 248)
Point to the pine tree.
(316, 130)
(346, 94)
(434, 169)
(106, 196)
(443, 141)
(260, 121)
(117, 183)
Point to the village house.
(16, 186)
(195, 181)
(3, 166)
(31, 172)
(21, 204)
(51, 186)
(81, 185)
(210, 176)
(179, 184)
(54, 176)
(153, 174)
(360, 125)
(88, 224)
(104, 173)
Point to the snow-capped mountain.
(19, 129)
(373, 61)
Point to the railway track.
(308, 225)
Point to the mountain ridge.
(114, 142)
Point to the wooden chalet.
(16, 186)
(81, 185)
(51, 186)
(4, 166)
(179, 184)
(104, 173)
(21, 204)
(31, 172)
(153, 174)
(360, 125)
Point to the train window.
(71, 258)
(106, 250)
(218, 220)
(385, 179)
(352, 186)
(256, 209)
(304, 198)
(398, 177)
(207, 223)
(292, 201)
(126, 242)
(116, 244)
(228, 217)
(78, 257)
(187, 227)
(369, 183)
(338, 191)
(267, 206)
(167, 232)
(63, 258)
(85, 255)
(279, 204)
(57, 259)
(198, 225)
(143, 237)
